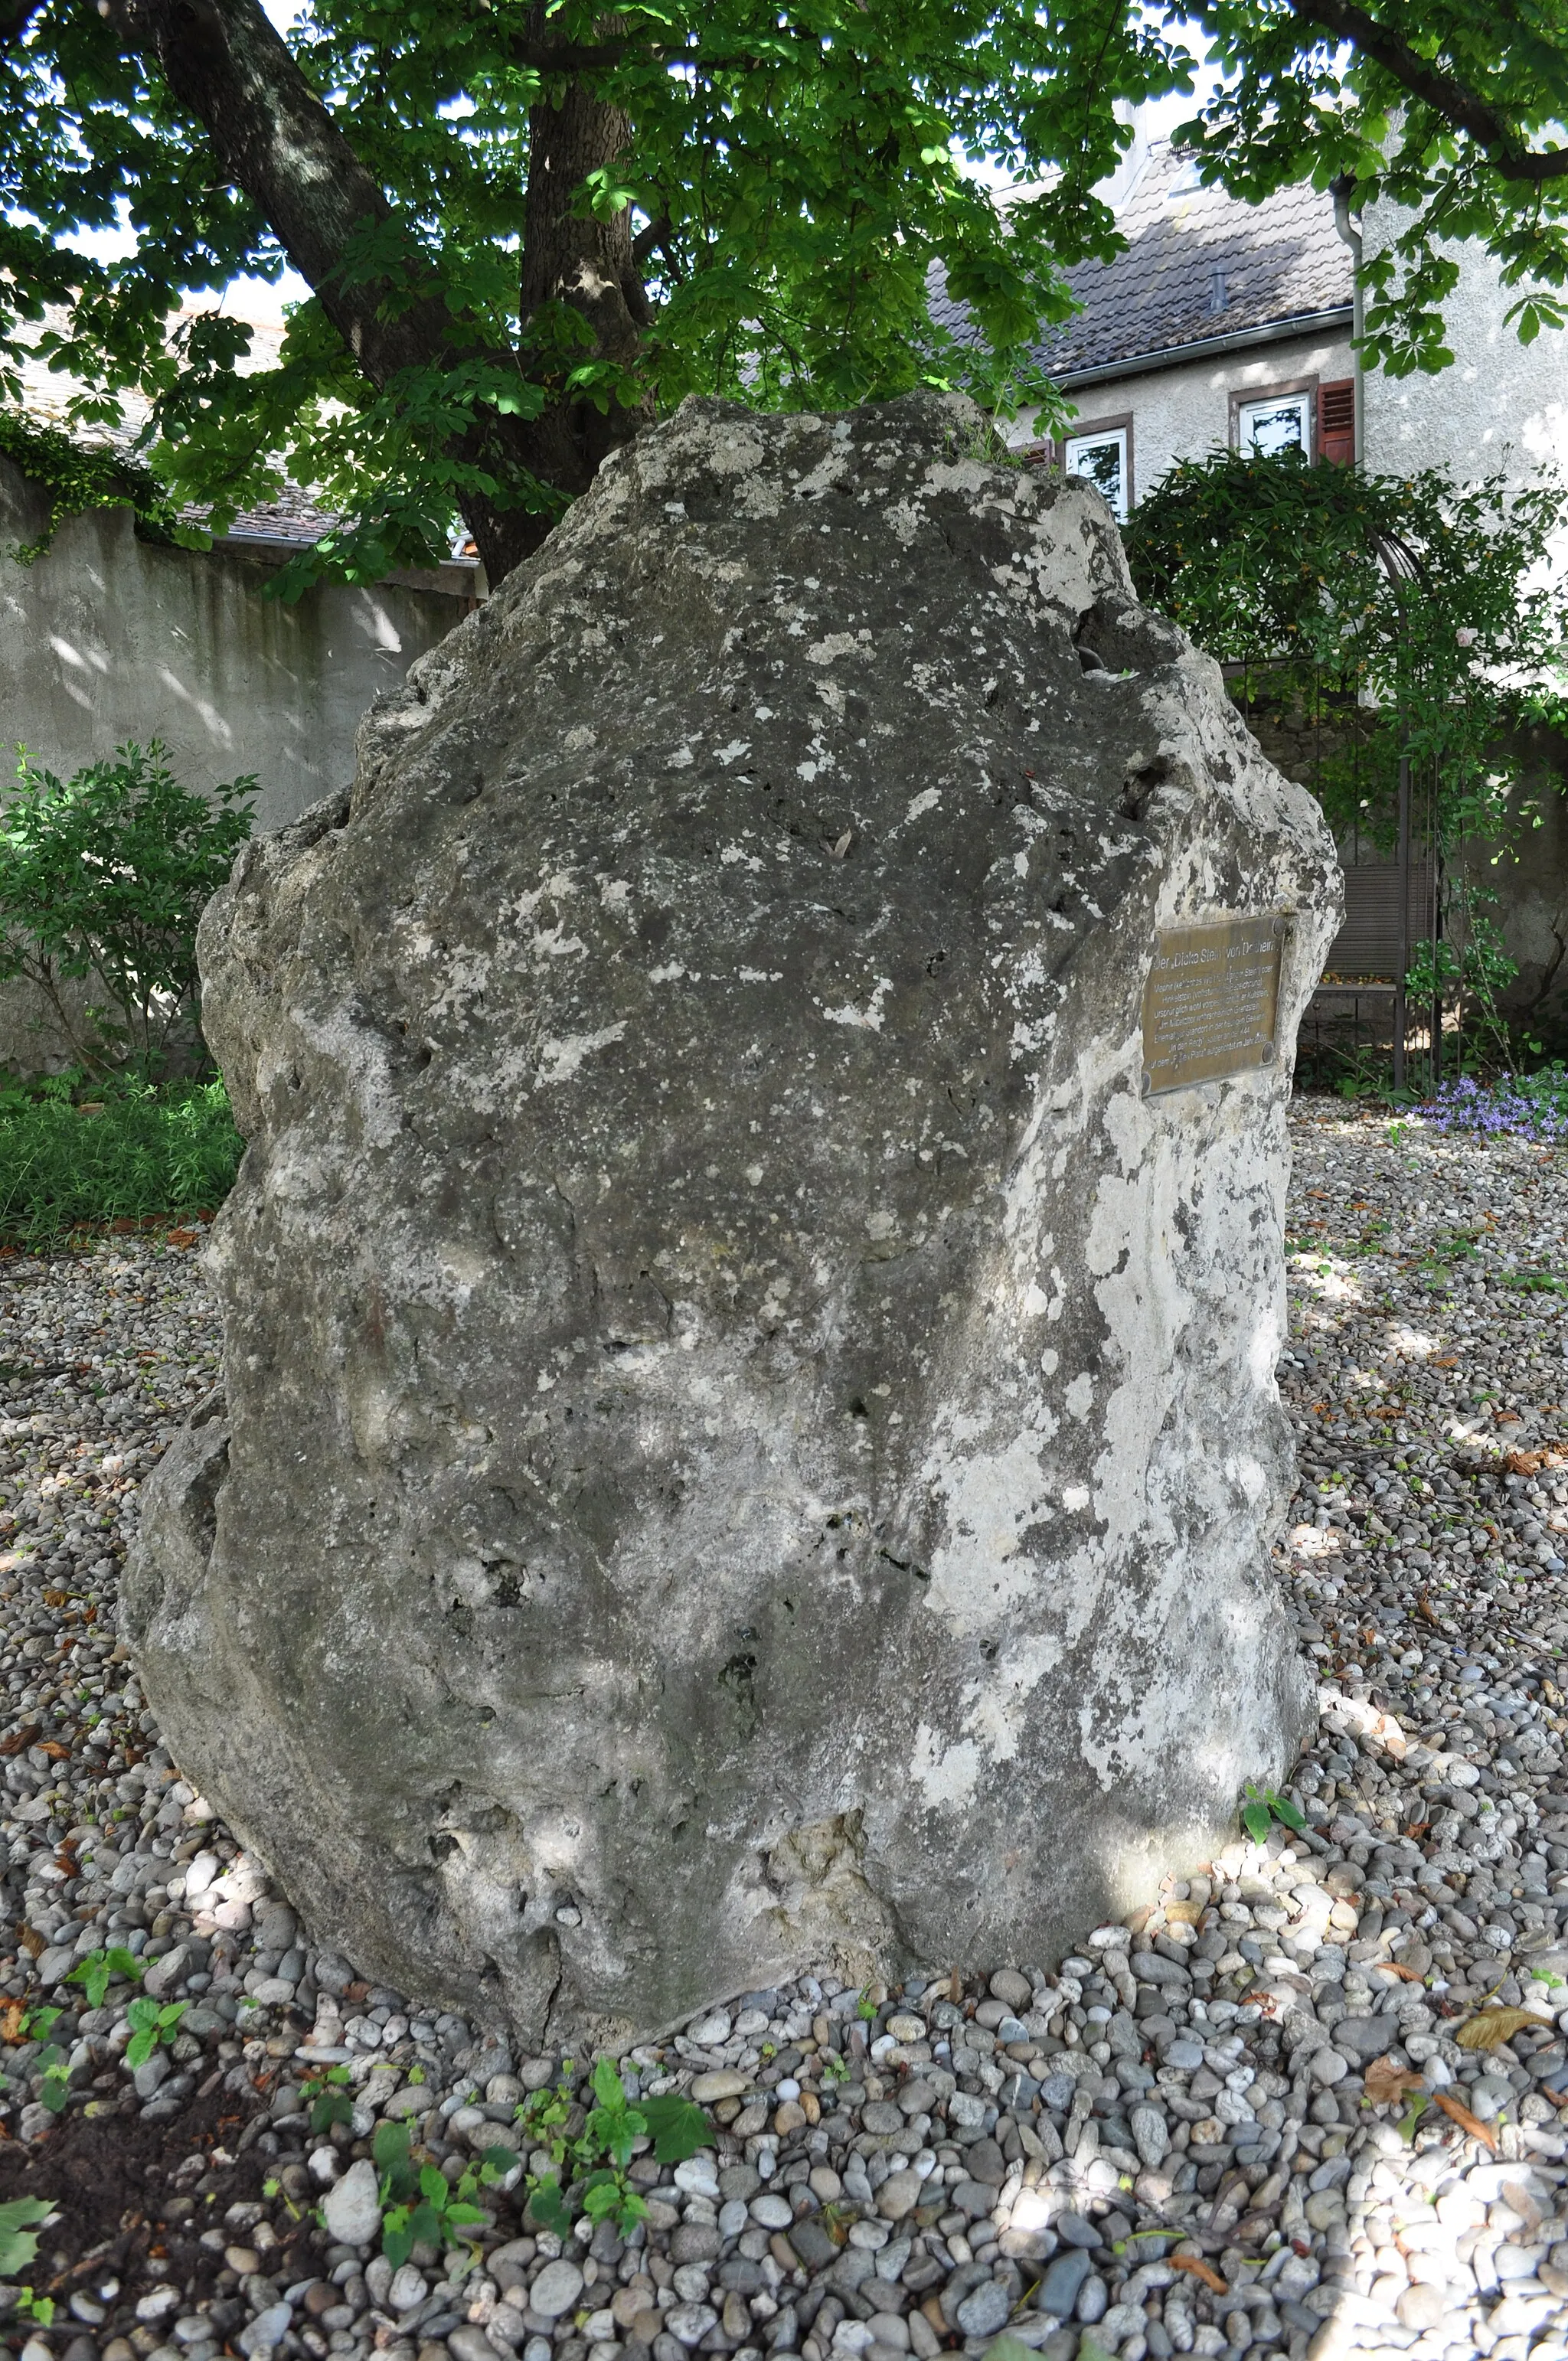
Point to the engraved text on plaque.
(1210, 1001)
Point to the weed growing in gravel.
(602, 2152)
(129, 1151)
(19, 2245)
(50, 2061)
(1261, 1806)
(417, 2201)
(98, 1969)
(330, 2102)
(151, 2024)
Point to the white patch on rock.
(559, 1061)
(946, 1774)
(868, 1019)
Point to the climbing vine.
(79, 477)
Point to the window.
(1104, 454)
(1276, 423)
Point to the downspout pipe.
(1348, 230)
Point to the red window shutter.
(1336, 421)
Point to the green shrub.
(104, 878)
(129, 1151)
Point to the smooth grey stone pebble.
(1093, 2298)
(267, 2330)
(1064, 2279)
(555, 2289)
(985, 2311)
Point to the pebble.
(352, 2206)
(985, 2311)
(899, 2195)
(1063, 2283)
(268, 2329)
(555, 2289)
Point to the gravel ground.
(1243, 2122)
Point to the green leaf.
(397, 2235)
(608, 2088)
(679, 2128)
(18, 2243)
(1286, 1812)
(426, 2222)
(495, 2163)
(389, 2146)
(331, 2108)
(546, 2210)
(1255, 1820)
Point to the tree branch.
(1443, 92)
(274, 139)
(597, 56)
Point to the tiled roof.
(1282, 260)
(291, 518)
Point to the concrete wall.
(107, 638)
(1184, 410)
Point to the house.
(1222, 324)
(1227, 324)
(1218, 323)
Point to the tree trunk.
(580, 262)
(273, 139)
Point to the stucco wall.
(1501, 405)
(106, 638)
(1181, 412)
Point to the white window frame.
(1095, 439)
(1299, 400)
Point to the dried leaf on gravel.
(1397, 1968)
(1493, 2026)
(1466, 2121)
(19, 1738)
(1388, 2082)
(1200, 2270)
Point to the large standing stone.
(747, 1436)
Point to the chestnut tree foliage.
(528, 226)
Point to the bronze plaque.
(1210, 1001)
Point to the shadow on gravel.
(133, 2198)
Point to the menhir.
(750, 1437)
